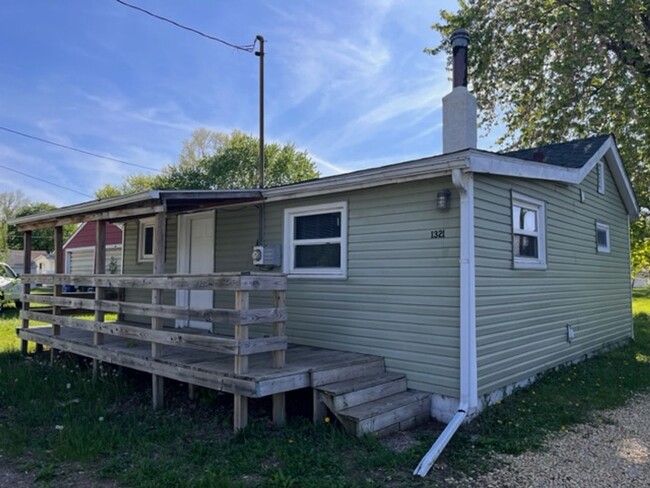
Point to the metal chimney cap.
(459, 38)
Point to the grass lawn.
(54, 417)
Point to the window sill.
(315, 276)
(529, 265)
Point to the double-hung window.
(145, 240)
(315, 241)
(528, 232)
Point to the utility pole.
(260, 165)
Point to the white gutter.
(468, 368)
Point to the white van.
(10, 288)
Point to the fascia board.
(480, 162)
(609, 152)
(520, 168)
(428, 168)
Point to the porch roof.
(136, 205)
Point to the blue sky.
(346, 80)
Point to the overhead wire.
(46, 181)
(242, 47)
(249, 48)
(76, 149)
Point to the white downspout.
(468, 369)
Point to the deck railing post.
(100, 268)
(157, 382)
(27, 269)
(241, 362)
(279, 357)
(59, 268)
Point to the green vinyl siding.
(522, 314)
(131, 265)
(400, 298)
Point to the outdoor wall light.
(443, 200)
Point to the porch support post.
(100, 268)
(279, 399)
(27, 269)
(241, 363)
(59, 268)
(159, 232)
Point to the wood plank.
(210, 281)
(241, 363)
(27, 269)
(100, 268)
(59, 267)
(160, 368)
(159, 248)
(366, 366)
(319, 410)
(174, 337)
(109, 215)
(279, 329)
(215, 315)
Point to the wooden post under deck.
(100, 268)
(241, 363)
(159, 232)
(279, 358)
(27, 269)
(59, 268)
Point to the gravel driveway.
(614, 452)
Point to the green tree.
(202, 144)
(212, 160)
(553, 70)
(132, 184)
(235, 162)
(10, 202)
(42, 239)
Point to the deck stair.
(368, 399)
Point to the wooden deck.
(303, 368)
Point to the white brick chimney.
(459, 107)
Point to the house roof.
(16, 257)
(140, 204)
(567, 163)
(572, 154)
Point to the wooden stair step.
(368, 365)
(356, 391)
(380, 416)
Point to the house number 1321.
(438, 234)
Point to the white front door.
(195, 256)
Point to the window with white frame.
(602, 237)
(528, 232)
(601, 176)
(315, 241)
(145, 240)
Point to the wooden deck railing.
(240, 345)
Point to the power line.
(46, 181)
(76, 149)
(243, 47)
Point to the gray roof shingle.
(573, 154)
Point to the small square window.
(528, 233)
(315, 243)
(602, 238)
(145, 240)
